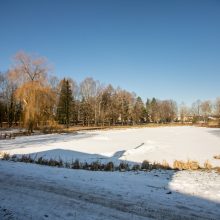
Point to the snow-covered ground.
(133, 145)
(29, 191)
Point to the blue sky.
(166, 49)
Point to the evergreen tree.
(65, 104)
(154, 110)
(148, 110)
(139, 111)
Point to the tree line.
(33, 98)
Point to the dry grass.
(163, 166)
(217, 169)
(4, 156)
(110, 166)
(207, 165)
(217, 157)
(106, 127)
(189, 165)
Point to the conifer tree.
(64, 109)
(139, 111)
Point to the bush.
(42, 161)
(217, 169)
(157, 166)
(136, 167)
(14, 157)
(145, 165)
(217, 157)
(165, 165)
(193, 165)
(109, 166)
(5, 156)
(189, 165)
(67, 165)
(75, 164)
(123, 166)
(55, 163)
(86, 166)
(26, 159)
(95, 166)
(178, 165)
(207, 165)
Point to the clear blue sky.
(166, 49)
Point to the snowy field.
(133, 145)
(30, 191)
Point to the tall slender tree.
(139, 111)
(65, 104)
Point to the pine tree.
(64, 109)
(154, 110)
(139, 111)
(148, 110)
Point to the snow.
(134, 145)
(30, 191)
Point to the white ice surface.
(134, 145)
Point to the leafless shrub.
(95, 166)
(193, 165)
(217, 157)
(109, 166)
(85, 166)
(217, 169)
(145, 165)
(189, 165)
(14, 157)
(26, 159)
(76, 164)
(207, 165)
(5, 156)
(55, 163)
(163, 166)
(136, 167)
(123, 166)
(67, 165)
(41, 161)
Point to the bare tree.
(29, 68)
(2, 98)
(89, 91)
(217, 109)
(183, 111)
(196, 108)
(206, 109)
(126, 101)
(168, 110)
